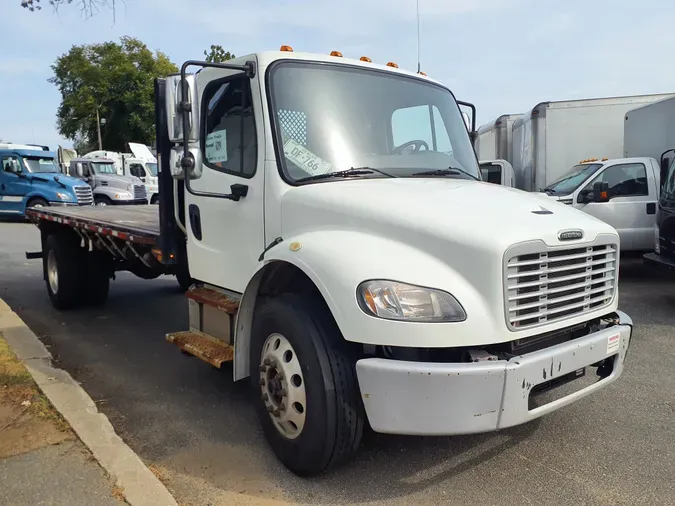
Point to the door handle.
(195, 221)
(651, 208)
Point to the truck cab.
(497, 172)
(627, 202)
(108, 187)
(31, 178)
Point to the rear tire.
(63, 259)
(321, 365)
(154, 199)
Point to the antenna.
(418, 35)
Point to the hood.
(117, 181)
(56, 179)
(471, 214)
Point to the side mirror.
(174, 97)
(600, 191)
(176, 163)
(79, 170)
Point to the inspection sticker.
(304, 158)
(613, 343)
(216, 146)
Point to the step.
(213, 298)
(203, 346)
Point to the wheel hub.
(282, 386)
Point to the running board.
(203, 346)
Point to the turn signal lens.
(392, 64)
(286, 48)
(336, 53)
(365, 58)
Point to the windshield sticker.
(216, 146)
(305, 159)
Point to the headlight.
(63, 196)
(392, 300)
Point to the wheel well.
(33, 199)
(273, 279)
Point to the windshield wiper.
(450, 171)
(354, 171)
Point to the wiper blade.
(450, 171)
(354, 171)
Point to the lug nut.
(276, 412)
(282, 406)
(283, 392)
(280, 376)
(266, 361)
(262, 382)
(264, 397)
(270, 409)
(262, 368)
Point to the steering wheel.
(417, 143)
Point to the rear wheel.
(63, 270)
(155, 199)
(303, 374)
(102, 200)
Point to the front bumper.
(420, 398)
(60, 203)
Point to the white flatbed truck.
(340, 249)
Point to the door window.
(137, 170)
(624, 180)
(491, 173)
(230, 143)
(8, 163)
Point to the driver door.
(13, 188)
(225, 236)
(630, 210)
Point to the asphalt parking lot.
(197, 428)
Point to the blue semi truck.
(30, 177)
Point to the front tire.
(306, 393)
(102, 200)
(63, 270)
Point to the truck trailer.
(494, 139)
(551, 138)
(352, 279)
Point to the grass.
(18, 389)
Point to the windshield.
(152, 168)
(39, 165)
(332, 118)
(569, 183)
(104, 168)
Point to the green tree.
(114, 81)
(217, 54)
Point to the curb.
(141, 487)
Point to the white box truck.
(650, 131)
(493, 139)
(553, 137)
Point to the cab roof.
(28, 152)
(266, 58)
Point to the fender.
(337, 261)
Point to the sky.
(503, 56)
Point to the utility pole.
(419, 68)
(98, 128)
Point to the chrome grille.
(84, 195)
(554, 284)
(139, 192)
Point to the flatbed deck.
(133, 223)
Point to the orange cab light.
(392, 64)
(286, 48)
(365, 58)
(422, 73)
(605, 159)
(336, 53)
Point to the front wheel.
(102, 200)
(306, 393)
